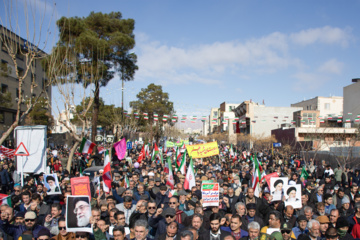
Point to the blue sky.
(208, 52)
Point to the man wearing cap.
(161, 219)
(342, 227)
(345, 210)
(324, 225)
(44, 234)
(302, 226)
(19, 218)
(16, 230)
(250, 217)
(286, 231)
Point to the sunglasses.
(169, 216)
(151, 207)
(80, 236)
(172, 202)
(29, 220)
(62, 228)
(286, 231)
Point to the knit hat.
(342, 222)
(344, 200)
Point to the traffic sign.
(129, 145)
(99, 138)
(21, 150)
(109, 138)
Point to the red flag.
(141, 155)
(267, 177)
(7, 151)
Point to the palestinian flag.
(126, 182)
(170, 180)
(182, 167)
(155, 152)
(107, 179)
(256, 176)
(86, 146)
(190, 177)
(5, 199)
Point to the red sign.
(80, 186)
(21, 150)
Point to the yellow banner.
(203, 150)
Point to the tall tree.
(40, 114)
(153, 100)
(103, 42)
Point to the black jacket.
(206, 235)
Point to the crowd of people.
(145, 207)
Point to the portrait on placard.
(277, 186)
(52, 184)
(293, 195)
(78, 213)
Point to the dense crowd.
(146, 208)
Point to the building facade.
(352, 103)
(34, 82)
(258, 120)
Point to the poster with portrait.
(52, 184)
(78, 213)
(293, 195)
(277, 186)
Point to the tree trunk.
(68, 166)
(95, 112)
(8, 132)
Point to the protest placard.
(203, 150)
(80, 186)
(78, 213)
(52, 184)
(210, 194)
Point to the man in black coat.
(262, 207)
(215, 232)
(251, 217)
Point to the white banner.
(34, 140)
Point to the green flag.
(304, 173)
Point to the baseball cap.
(30, 215)
(301, 218)
(286, 226)
(169, 211)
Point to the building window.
(2, 116)
(4, 88)
(327, 106)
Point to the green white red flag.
(190, 177)
(107, 179)
(182, 167)
(170, 179)
(86, 146)
(256, 176)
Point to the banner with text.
(210, 194)
(80, 186)
(203, 150)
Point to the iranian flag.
(5, 199)
(178, 157)
(256, 176)
(182, 167)
(87, 146)
(231, 152)
(107, 173)
(166, 167)
(126, 182)
(147, 150)
(155, 152)
(190, 177)
(170, 180)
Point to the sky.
(204, 53)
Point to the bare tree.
(22, 50)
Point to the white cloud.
(331, 66)
(208, 63)
(325, 35)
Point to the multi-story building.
(258, 120)
(64, 118)
(327, 106)
(352, 103)
(35, 79)
(227, 115)
(214, 120)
